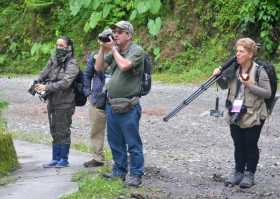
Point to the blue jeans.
(123, 137)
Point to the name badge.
(236, 106)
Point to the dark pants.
(246, 151)
(60, 121)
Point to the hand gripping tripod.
(200, 90)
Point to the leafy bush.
(264, 18)
(8, 158)
(176, 33)
(115, 10)
(258, 19)
(196, 63)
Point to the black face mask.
(61, 54)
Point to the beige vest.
(256, 108)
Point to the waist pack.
(123, 105)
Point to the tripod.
(216, 112)
(200, 90)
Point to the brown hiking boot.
(234, 179)
(93, 163)
(248, 180)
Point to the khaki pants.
(97, 133)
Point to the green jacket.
(126, 83)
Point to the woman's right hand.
(216, 71)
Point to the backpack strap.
(258, 71)
(91, 61)
(238, 83)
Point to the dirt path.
(187, 157)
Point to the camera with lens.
(105, 35)
(235, 117)
(32, 91)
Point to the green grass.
(3, 105)
(192, 76)
(85, 148)
(7, 180)
(15, 75)
(37, 138)
(94, 186)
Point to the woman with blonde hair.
(246, 110)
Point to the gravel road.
(187, 157)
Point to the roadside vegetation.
(93, 186)
(8, 157)
(186, 39)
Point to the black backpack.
(146, 80)
(80, 98)
(271, 72)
